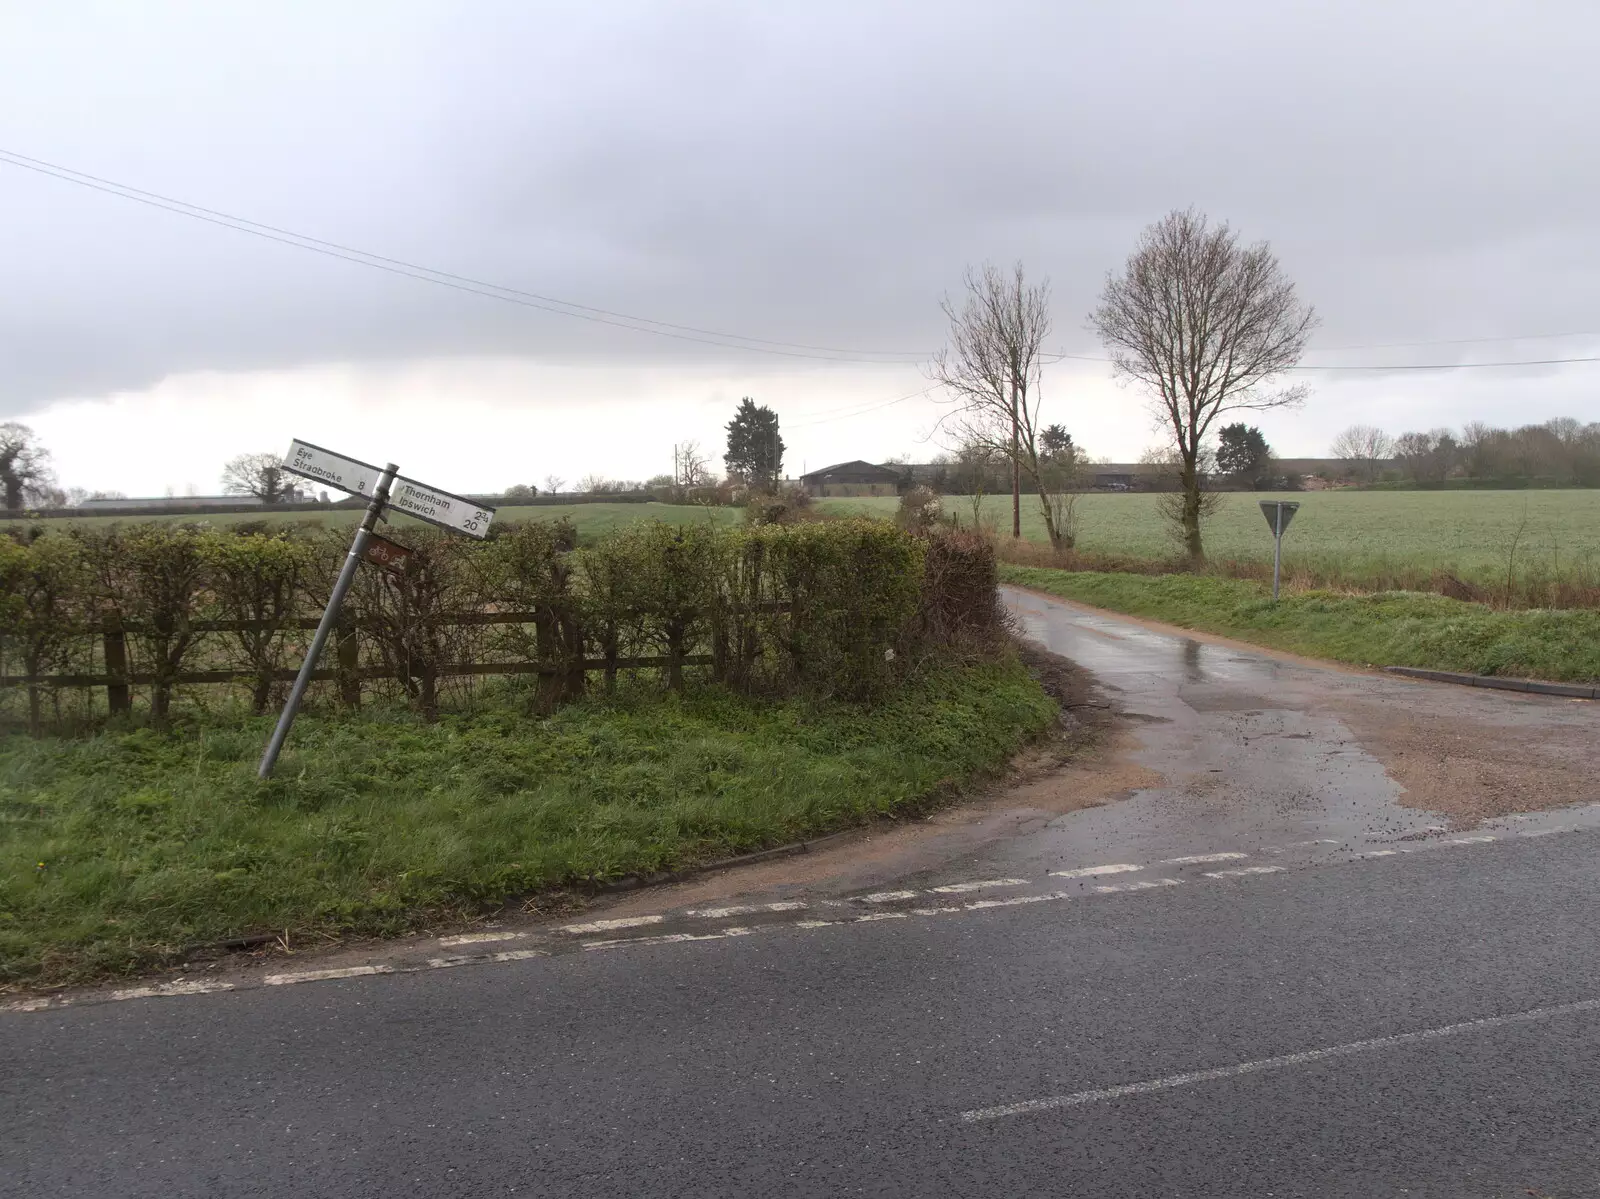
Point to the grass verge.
(118, 850)
(1397, 628)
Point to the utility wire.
(640, 324)
(826, 419)
(1408, 366)
(1451, 341)
(447, 279)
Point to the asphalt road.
(1351, 1019)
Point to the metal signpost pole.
(1278, 513)
(1277, 550)
(352, 562)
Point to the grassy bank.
(119, 849)
(1388, 629)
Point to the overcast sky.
(814, 173)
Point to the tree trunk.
(13, 492)
(1191, 513)
(1016, 467)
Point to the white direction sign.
(440, 507)
(347, 474)
(405, 495)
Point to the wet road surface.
(1256, 974)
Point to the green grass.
(1353, 536)
(590, 519)
(1387, 629)
(119, 849)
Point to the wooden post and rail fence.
(559, 642)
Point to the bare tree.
(1361, 448)
(553, 484)
(1206, 326)
(25, 472)
(1428, 457)
(260, 475)
(990, 372)
(975, 463)
(691, 467)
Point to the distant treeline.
(1559, 453)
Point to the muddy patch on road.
(1469, 767)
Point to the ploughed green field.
(1379, 536)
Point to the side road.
(1390, 629)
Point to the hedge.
(836, 608)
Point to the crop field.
(590, 519)
(1350, 536)
(1360, 538)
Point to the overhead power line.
(659, 328)
(1407, 366)
(465, 283)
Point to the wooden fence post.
(544, 648)
(572, 641)
(676, 633)
(118, 698)
(348, 653)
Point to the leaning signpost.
(387, 489)
(1278, 513)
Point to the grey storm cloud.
(810, 173)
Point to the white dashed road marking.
(478, 959)
(1079, 1098)
(478, 938)
(668, 938)
(185, 987)
(316, 976)
(1241, 871)
(790, 905)
(982, 885)
(1092, 871)
(1143, 884)
(604, 926)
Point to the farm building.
(852, 479)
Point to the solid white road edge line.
(1080, 1098)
